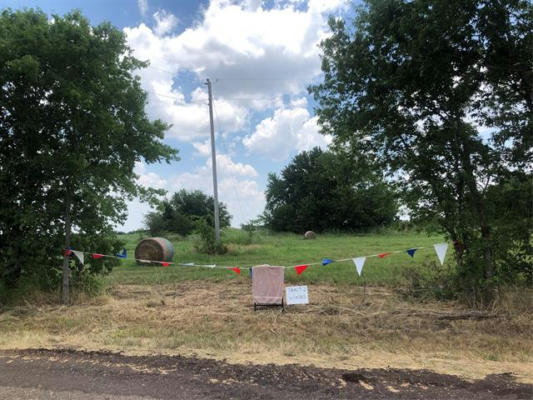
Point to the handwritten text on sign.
(297, 295)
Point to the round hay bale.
(310, 235)
(153, 249)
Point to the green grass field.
(288, 250)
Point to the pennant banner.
(359, 263)
(411, 252)
(124, 254)
(440, 249)
(300, 268)
(79, 255)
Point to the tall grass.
(286, 249)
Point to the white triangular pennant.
(359, 262)
(211, 265)
(79, 254)
(440, 249)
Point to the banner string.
(71, 251)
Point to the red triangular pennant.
(96, 256)
(383, 255)
(300, 268)
(237, 270)
(164, 264)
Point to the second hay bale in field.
(310, 235)
(153, 249)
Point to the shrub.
(206, 243)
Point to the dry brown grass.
(336, 330)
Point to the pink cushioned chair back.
(267, 284)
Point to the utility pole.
(214, 159)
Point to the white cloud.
(287, 129)
(254, 55)
(236, 189)
(257, 57)
(309, 136)
(226, 166)
(241, 194)
(165, 22)
(136, 212)
(149, 179)
(190, 120)
(202, 148)
(143, 6)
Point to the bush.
(427, 282)
(206, 242)
(84, 282)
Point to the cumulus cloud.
(236, 186)
(226, 166)
(288, 129)
(165, 22)
(190, 119)
(260, 59)
(149, 179)
(254, 56)
(202, 148)
(242, 195)
(143, 6)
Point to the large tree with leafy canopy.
(326, 190)
(441, 93)
(182, 212)
(72, 126)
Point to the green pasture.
(288, 250)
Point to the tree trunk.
(479, 208)
(65, 294)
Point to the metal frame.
(271, 305)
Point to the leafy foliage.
(206, 242)
(72, 126)
(323, 191)
(442, 94)
(181, 213)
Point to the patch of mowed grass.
(286, 249)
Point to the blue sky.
(260, 56)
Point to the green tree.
(441, 92)
(323, 191)
(182, 212)
(72, 126)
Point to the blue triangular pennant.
(124, 254)
(326, 261)
(411, 252)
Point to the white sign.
(296, 295)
